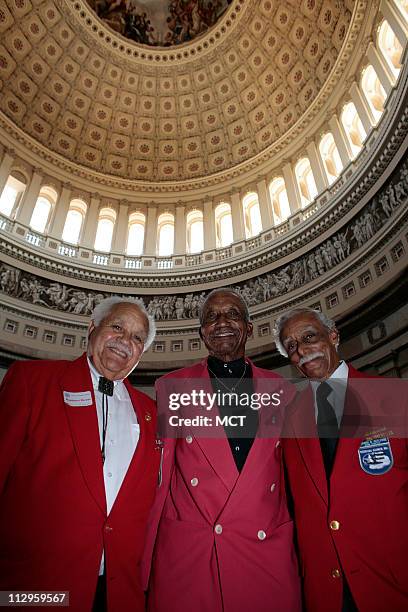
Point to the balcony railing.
(67, 251)
(35, 239)
(132, 264)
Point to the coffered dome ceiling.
(243, 89)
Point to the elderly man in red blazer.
(220, 536)
(350, 494)
(78, 468)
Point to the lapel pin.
(148, 416)
(375, 456)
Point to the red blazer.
(53, 522)
(371, 542)
(223, 540)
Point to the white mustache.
(309, 357)
(120, 347)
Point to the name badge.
(82, 398)
(375, 456)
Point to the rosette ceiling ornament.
(223, 103)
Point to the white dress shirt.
(122, 436)
(338, 383)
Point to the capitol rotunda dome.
(161, 149)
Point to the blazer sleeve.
(15, 411)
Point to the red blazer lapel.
(356, 422)
(83, 422)
(211, 441)
(353, 373)
(216, 449)
(271, 417)
(219, 455)
(146, 416)
(302, 421)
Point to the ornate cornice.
(334, 258)
(349, 195)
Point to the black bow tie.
(105, 386)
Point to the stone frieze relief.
(314, 264)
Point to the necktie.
(327, 426)
(105, 386)
(328, 431)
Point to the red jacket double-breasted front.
(220, 540)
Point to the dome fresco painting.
(159, 22)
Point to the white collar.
(95, 376)
(338, 377)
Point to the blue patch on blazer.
(375, 456)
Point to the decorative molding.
(359, 238)
(349, 195)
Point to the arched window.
(330, 157)
(373, 91)
(42, 210)
(195, 231)
(353, 127)
(104, 232)
(403, 4)
(223, 225)
(165, 235)
(136, 232)
(11, 195)
(252, 215)
(279, 199)
(306, 182)
(390, 47)
(74, 221)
